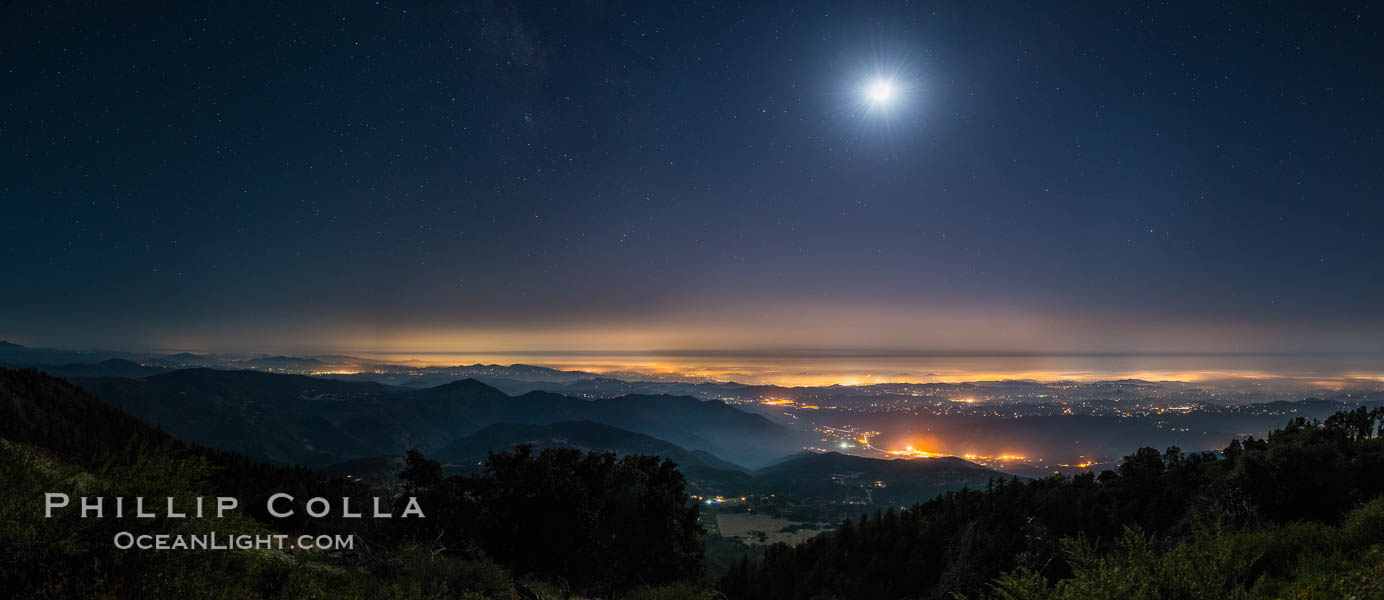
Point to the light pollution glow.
(771, 343)
(1306, 372)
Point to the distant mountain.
(272, 417)
(712, 426)
(607, 387)
(315, 421)
(286, 362)
(881, 481)
(512, 379)
(872, 467)
(187, 356)
(114, 367)
(523, 371)
(704, 471)
(15, 355)
(586, 435)
(258, 384)
(711, 460)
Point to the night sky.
(1085, 177)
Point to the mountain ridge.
(316, 421)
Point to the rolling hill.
(829, 478)
(315, 422)
(880, 481)
(703, 470)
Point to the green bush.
(1297, 560)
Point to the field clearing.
(741, 526)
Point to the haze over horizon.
(1278, 371)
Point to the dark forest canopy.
(1049, 529)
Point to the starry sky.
(436, 176)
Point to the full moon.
(881, 91)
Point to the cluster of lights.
(720, 499)
(911, 452)
(1005, 457)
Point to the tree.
(601, 523)
(420, 473)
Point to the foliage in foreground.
(1296, 560)
(601, 524)
(71, 557)
(56, 438)
(1266, 518)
